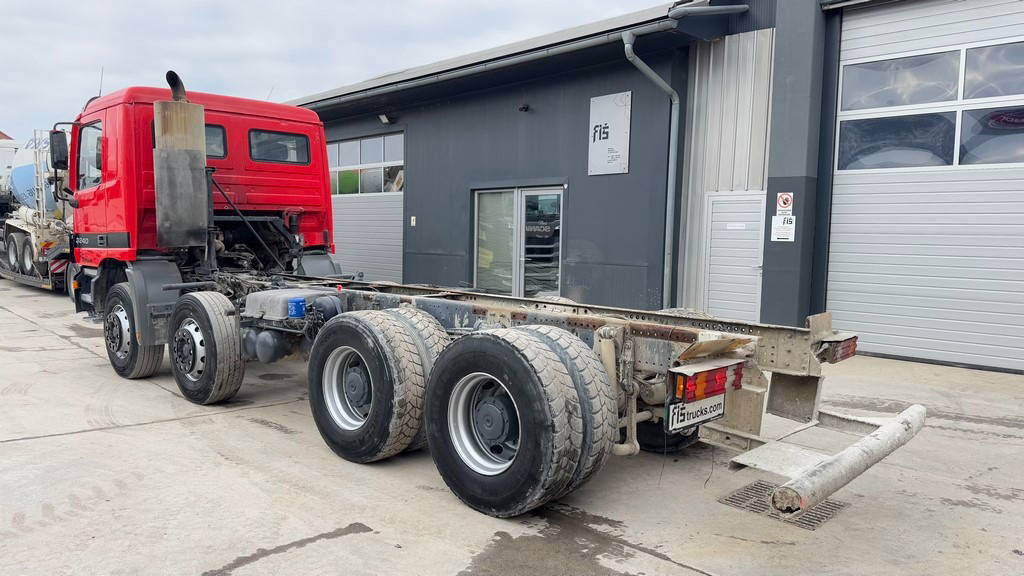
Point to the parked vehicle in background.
(34, 224)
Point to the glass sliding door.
(495, 241)
(542, 228)
(518, 241)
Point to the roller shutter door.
(926, 253)
(368, 234)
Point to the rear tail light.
(839, 350)
(691, 388)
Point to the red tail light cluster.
(839, 351)
(710, 383)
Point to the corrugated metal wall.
(726, 142)
(929, 262)
(926, 24)
(368, 235)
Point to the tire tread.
(596, 396)
(430, 339)
(564, 411)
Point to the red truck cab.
(270, 159)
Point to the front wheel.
(128, 358)
(206, 347)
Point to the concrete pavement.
(100, 475)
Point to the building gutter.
(628, 38)
(607, 38)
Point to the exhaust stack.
(177, 86)
(179, 167)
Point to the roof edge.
(505, 51)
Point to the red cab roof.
(229, 104)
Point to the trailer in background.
(34, 224)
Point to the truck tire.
(366, 381)
(503, 421)
(597, 397)
(206, 347)
(13, 251)
(128, 358)
(652, 438)
(28, 266)
(431, 339)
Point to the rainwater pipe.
(628, 38)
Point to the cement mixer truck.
(35, 225)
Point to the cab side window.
(90, 155)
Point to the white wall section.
(726, 147)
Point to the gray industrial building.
(860, 157)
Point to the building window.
(908, 112)
(901, 81)
(897, 141)
(367, 165)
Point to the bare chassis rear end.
(640, 352)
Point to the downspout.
(673, 144)
(628, 38)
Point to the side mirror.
(58, 150)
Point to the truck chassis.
(485, 380)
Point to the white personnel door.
(733, 247)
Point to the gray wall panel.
(612, 224)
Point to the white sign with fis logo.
(682, 416)
(608, 137)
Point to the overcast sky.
(276, 50)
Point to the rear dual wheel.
(367, 374)
(519, 417)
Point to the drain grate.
(756, 498)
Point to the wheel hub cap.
(357, 386)
(347, 388)
(483, 421)
(189, 350)
(117, 333)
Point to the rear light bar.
(691, 386)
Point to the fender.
(151, 304)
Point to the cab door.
(88, 182)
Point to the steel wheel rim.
(117, 332)
(348, 388)
(189, 349)
(483, 421)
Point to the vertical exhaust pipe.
(177, 87)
